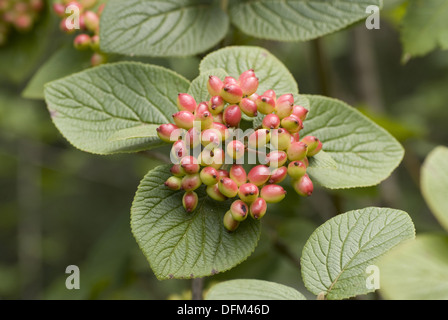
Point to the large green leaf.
(297, 20)
(64, 62)
(162, 28)
(335, 258)
(416, 270)
(365, 153)
(90, 107)
(270, 71)
(182, 245)
(425, 27)
(252, 290)
(434, 183)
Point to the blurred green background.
(60, 206)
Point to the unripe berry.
(249, 107)
(249, 85)
(190, 164)
(177, 170)
(179, 150)
(166, 132)
(185, 102)
(235, 149)
(216, 105)
(214, 193)
(190, 201)
(184, 119)
(259, 138)
(297, 151)
(229, 222)
(270, 94)
(312, 143)
(232, 116)
(228, 81)
(280, 139)
(300, 112)
(232, 93)
(246, 75)
(173, 183)
(82, 41)
(64, 26)
(223, 174)
(222, 128)
(98, 59)
(211, 137)
(209, 176)
(191, 182)
(239, 210)
(228, 187)
(212, 157)
(193, 137)
(259, 175)
(271, 121)
(92, 21)
(238, 174)
(265, 105)
(315, 151)
(248, 192)
(292, 124)
(258, 208)
(203, 115)
(303, 186)
(283, 109)
(278, 175)
(276, 158)
(95, 43)
(272, 193)
(214, 86)
(296, 169)
(59, 9)
(289, 98)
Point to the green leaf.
(252, 290)
(416, 270)
(90, 107)
(198, 88)
(162, 28)
(424, 27)
(297, 20)
(235, 60)
(182, 245)
(335, 258)
(144, 131)
(323, 160)
(365, 153)
(434, 183)
(64, 62)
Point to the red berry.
(303, 186)
(246, 75)
(270, 94)
(222, 128)
(283, 109)
(292, 124)
(185, 102)
(272, 193)
(190, 164)
(203, 115)
(276, 158)
(82, 41)
(216, 105)
(300, 112)
(289, 98)
(230, 81)
(232, 116)
(248, 107)
(297, 151)
(238, 174)
(168, 132)
(258, 208)
(235, 149)
(271, 121)
(190, 201)
(278, 175)
(259, 138)
(312, 143)
(91, 21)
(265, 105)
(223, 174)
(248, 192)
(211, 137)
(315, 151)
(249, 85)
(59, 9)
(193, 137)
(232, 93)
(177, 170)
(280, 139)
(214, 86)
(191, 182)
(179, 150)
(259, 175)
(229, 222)
(184, 119)
(212, 157)
(228, 187)
(239, 210)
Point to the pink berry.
(216, 105)
(238, 174)
(312, 143)
(315, 151)
(248, 107)
(248, 192)
(222, 129)
(209, 176)
(246, 75)
(228, 187)
(211, 137)
(230, 81)
(91, 21)
(265, 104)
(296, 169)
(168, 132)
(259, 138)
(232, 93)
(177, 171)
(276, 158)
(271, 121)
(173, 183)
(184, 119)
(235, 149)
(214, 86)
(249, 86)
(212, 157)
(232, 116)
(239, 210)
(278, 175)
(191, 182)
(280, 139)
(292, 124)
(259, 175)
(193, 137)
(300, 112)
(270, 94)
(190, 164)
(185, 102)
(303, 186)
(258, 208)
(297, 151)
(82, 41)
(214, 193)
(179, 150)
(190, 201)
(272, 193)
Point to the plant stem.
(197, 286)
(322, 67)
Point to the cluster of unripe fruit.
(219, 161)
(19, 15)
(88, 22)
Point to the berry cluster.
(89, 24)
(210, 128)
(20, 15)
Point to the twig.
(197, 286)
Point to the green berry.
(229, 222)
(191, 182)
(272, 193)
(214, 193)
(296, 169)
(173, 183)
(209, 176)
(228, 187)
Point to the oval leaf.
(270, 71)
(365, 153)
(335, 258)
(434, 183)
(182, 245)
(162, 28)
(90, 107)
(252, 290)
(416, 270)
(297, 20)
